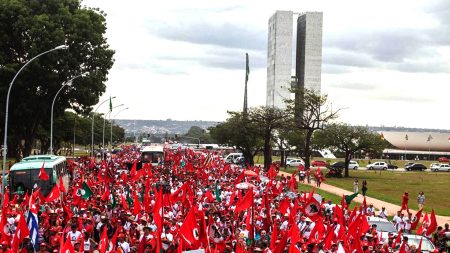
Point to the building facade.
(308, 60)
(279, 58)
(308, 69)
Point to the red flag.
(61, 185)
(398, 239)
(402, 248)
(189, 229)
(203, 233)
(103, 245)
(137, 205)
(42, 174)
(284, 205)
(419, 248)
(124, 202)
(133, 170)
(6, 236)
(281, 245)
(106, 194)
(157, 210)
(272, 172)
(67, 248)
(433, 224)
(54, 194)
(274, 236)
(22, 231)
(245, 203)
(416, 219)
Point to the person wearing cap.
(124, 245)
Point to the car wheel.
(355, 168)
(384, 168)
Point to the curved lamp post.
(104, 122)
(93, 118)
(5, 138)
(111, 139)
(68, 83)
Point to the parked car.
(353, 165)
(427, 245)
(377, 166)
(232, 157)
(434, 166)
(408, 164)
(337, 165)
(443, 159)
(441, 167)
(295, 163)
(416, 166)
(319, 163)
(392, 167)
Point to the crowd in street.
(193, 200)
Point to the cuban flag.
(33, 226)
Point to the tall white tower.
(308, 60)
(279, 58)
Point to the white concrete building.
(308, 67)
(279, 58)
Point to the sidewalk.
(390, 208)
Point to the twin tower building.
(283, 70)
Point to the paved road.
(390, 208)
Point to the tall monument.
(308, 59)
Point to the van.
(232, 157)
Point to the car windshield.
(383, 226)
(426, 244)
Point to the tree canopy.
(349, 139)
(30, 27)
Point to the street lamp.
(104, 121)
(93, 118)
(68, 83)
(113, 120)
(7, 109)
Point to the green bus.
(24, 176)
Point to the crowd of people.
(190, 201)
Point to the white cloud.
(386, 62)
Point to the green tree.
(267, 120)
(239, 132)
(309, 112)
(198, 133)
(29, 27)
(349, 140)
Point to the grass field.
(389, 186)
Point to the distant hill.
(158, 127)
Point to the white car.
(434, 166)
(441, 167)
(384, 226)
(377, 166)
(353, 165)
(427, 245)
(295, 162)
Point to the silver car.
(377, 166)
(441, 167)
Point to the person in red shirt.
(405, 199)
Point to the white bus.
(153, 154)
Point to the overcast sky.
(384, 62)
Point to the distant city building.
(279, 55)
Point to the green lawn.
(389, 186)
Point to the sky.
(385, 63)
